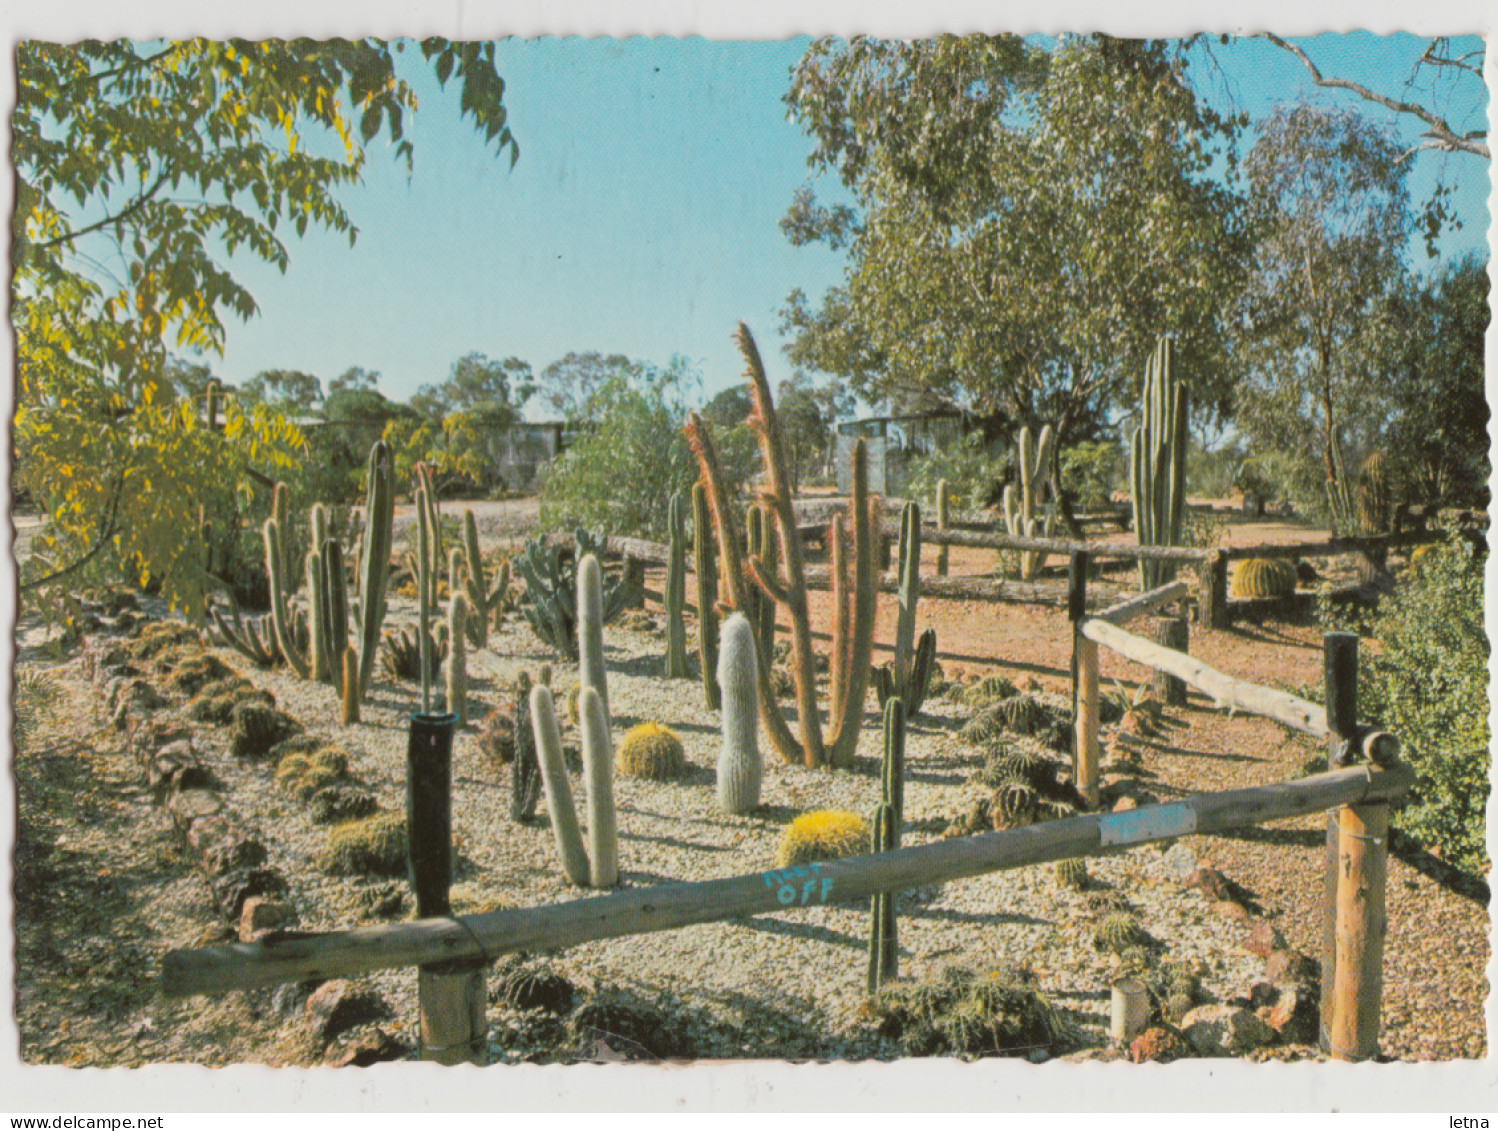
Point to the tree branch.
(1441, 133)
(105, 535)
(135, 206)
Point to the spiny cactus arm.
(280, 611)
(477, 584)
(591, 669)
(598, 766)
(766, 427)
(280, 511)
(559, 805)
(768, 584)
(706, 566)
(424, 589)
(374, 564)
(910, 586)
(864, 510)
(457, 657)
(764, 621)
(699, 435)
(242, 636)
(334, 583)
(914, 691)
(893, 773)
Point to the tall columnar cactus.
(280, 512)
(591, 670)
(275, 561)
(457, 657)
(559, 805)
(907, 677)
(525, 772)
(374, 558)
(333, 583)
(475, 584)
(943, 517)
(1157, 463)
(425, 590)
(317, 651)
(350, 692)
(1022, 511)
(889, 815)
(852, 636)
(740, 768)
(675, 595)
(760, 540)
(705, 562)
(598, 771)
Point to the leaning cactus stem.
(559, 805)
(598, 768)
(706, 565)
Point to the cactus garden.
(641, 627)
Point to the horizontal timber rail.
(1144, 603)
(292, 957)
(1294, 712)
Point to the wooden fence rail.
(294, 957)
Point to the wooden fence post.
(1173, 633)
(450, 994)
(1212, 591)
(1340, 670)
(1362, 921)
(1084, 676)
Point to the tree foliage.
(140, 168)
(1331, 219)
(1029, 222)
(574, 386)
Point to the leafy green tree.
(1331, 218)
(729, 408)
(139, 169)
(287, 389)
(1432, 371)
(1029, 221)
(621, 474)
(573, 386)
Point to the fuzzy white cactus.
(558, 792)
(591, 671)
(598, 772)
(739, 764)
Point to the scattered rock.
(377, 1048)
(1159, 1045)
(262, 914)
(233, 888)
(339, 1006)
(1214, 885)
(1124, 804)
(1295, 1014)
(1230, 909)
(192, 804)
(1291, 966)
(222, 848)
(1225, 1030)
(1264, 939)
(1179, 862)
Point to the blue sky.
(642, 216)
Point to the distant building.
(892, 442)
(524, 448)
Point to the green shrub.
(1428, 684)
(621, 474)
(1091, 472)
(972, 468)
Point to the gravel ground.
(760, 985)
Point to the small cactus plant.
(1118, 932)
(373, 845)
(1072, 873)
(652, 751)
(824, 834)
(1263, 577)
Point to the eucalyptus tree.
(1029, 219)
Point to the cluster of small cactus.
(1263, 577)
(909, 675)
(402, 655)
(959, 1011)
(1157, 463)
(784, 583)
(1025, 713)
(550, 605)
(373, 845)
(740, 767)
(1021, 514)
(986, 691)
(824, 834)
(651, 751)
